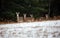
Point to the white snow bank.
(29, 24)
(44, 29)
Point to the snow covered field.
(44, 29)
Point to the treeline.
(36, 7)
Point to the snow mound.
(44, 29)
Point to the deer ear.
(31, 15)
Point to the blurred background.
(38, 8)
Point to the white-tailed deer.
(17, 13)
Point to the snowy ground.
(44, 29)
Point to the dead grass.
(7, 22)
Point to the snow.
(44, 29)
